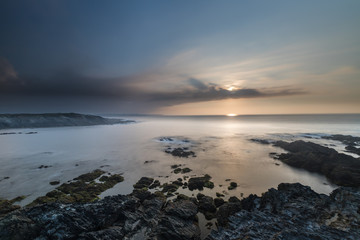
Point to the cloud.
(197, 84)
(211, 92)
(70, 84)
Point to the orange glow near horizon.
(231, 115)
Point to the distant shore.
(8, 121)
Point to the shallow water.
(221, 144)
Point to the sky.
(200, 57)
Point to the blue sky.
(180, 57)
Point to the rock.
(219, 195)
(207, 206)
(346, 139)
(353, 149)
(116, 217)
(232, 186)
(169, 187)
(175, 166)
(185, 170)
(155, 184)
(182, 208)
(44, 166)
(341, 169)
(261, 141)
(180, 152)
(178, 183)
(225, 211)
(141, 194)
(149, 161)
(234, 199)
(54, 182)
(218, 202)
(177, 170)
(81, 189)
(144, 182)
(293, 211)
(200, 182)
(7, 206)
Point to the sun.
(231, 115)
(231, 88)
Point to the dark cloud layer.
(68, 84)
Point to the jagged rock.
(115, 217)
(155, 184)
(206, 206)
(293, 211)
(218, 202)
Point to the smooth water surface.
(221, 144)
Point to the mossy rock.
(175, 166)
(182, 197)
(209, 184)
(186, 170)
(169, 187)
(87, 177)
(159, 194)
(232, 186)
(177, 170)
(82, 189)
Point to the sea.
(222, 144)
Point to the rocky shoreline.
(293, 211)
(8, 121)
(157, 210)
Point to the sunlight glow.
(230, 89)
(231, 115)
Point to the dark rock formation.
(342, 169)
(261, 141)
(346, 139)
(294, 212)
(115, 217)
(200, 182)
(53, 120)
(353, 143)
(144, 182)
(182, 152)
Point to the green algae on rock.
(82, 189)
(7, 206)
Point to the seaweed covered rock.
(200, 182)
(144, 182)
(181, 152)
(82, 189)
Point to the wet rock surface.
(200, 182)
(341, 169)
(293, 211)
(115, 217)
(182, 152)
(353, 143)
